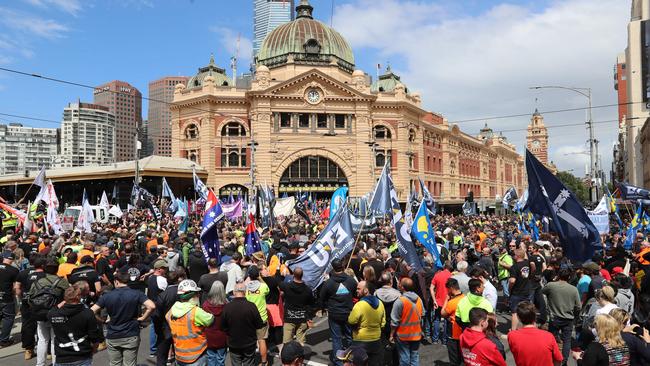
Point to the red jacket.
(478, 350)
(216, 336)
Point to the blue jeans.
(7, 314)
(341, 338)
(152, 340)
(506, 289)
(562, 330)
(439, 327)
(408, 353)
(217, 357)
(87, 362)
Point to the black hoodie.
(336, 295)
(75, 331)
(298, 302)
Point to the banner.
(233, 210)
(104, 201)
(600, 221)
(423, 232)
(284, 206)
(209, 232)
(199, 186)
(335, 242)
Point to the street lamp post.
(593, 163)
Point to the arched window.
(381, 132)
(192, 132)
(233, 129)
(193, 156)
(233, 158)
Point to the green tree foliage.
(576, 185)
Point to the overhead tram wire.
(560, 125)
(39, 76)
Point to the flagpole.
(356, 241)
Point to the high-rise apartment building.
(125, 102)
(161, 93)
(637, 76)
(26, 148)
(268, 15)
(620, 85)
(87, 135)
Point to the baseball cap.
(355, 355)
(8, 255)
(187, 286)
(160, 263)
(86, 259)
(337, 265)
(617, 270)
(291, 351)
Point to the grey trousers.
(123, 351)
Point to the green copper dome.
(308, 41)
(219, 75)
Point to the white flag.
(104, 201)
(116, 211)
(86, 217)
(52, 207)
(40, 181)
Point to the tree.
(576, 185)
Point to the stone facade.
(317, 125)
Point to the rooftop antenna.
(332, 15)
(233, 62)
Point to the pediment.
(331, 88)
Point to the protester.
(188, 322)
(406, 323)
(25, 280)
(438, 292)
(489, 291)
(156, 283)
(474, 299)
(610, 349)
(164, 303)
(366, 320)
(461, 276)
(353, 356)
(454, 296)
(299, 306)
(636, 338)
(123, 328)
(563, 305)
(8, 278)
(76, 332)
(256, 292)
(214, 304)
(543, 351)
(520, 287)
(86, 273)
(476, 349)
(44, 294)
(241, 321)
(292, 354)
(336, 297)
(206, 280)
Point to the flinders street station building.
(310, 121)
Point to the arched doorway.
(312, 173)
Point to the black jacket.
(336, 296)
(75, 331)
(241, 320)
(197, 266)
(298, 302)
(164, 302)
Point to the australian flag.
(252, 241)
(209, 232)
(547, 196)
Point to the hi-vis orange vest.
(640, 258)
(410, 327)
(189, 340)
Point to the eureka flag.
(209, 232)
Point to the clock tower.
(537, 138)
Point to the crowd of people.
(497, 289)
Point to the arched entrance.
(312, 173)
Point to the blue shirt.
(583, 284)
(123, 306)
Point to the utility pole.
(233, 63)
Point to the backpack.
(44, 299)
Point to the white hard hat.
(187, 286)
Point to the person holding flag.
(252, 240)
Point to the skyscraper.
(268, 15)
(87, 135)
(125, 103)
(26, 148)
(161, 93)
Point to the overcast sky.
(469, 59)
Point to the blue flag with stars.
(209, 233)
(547, 196)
